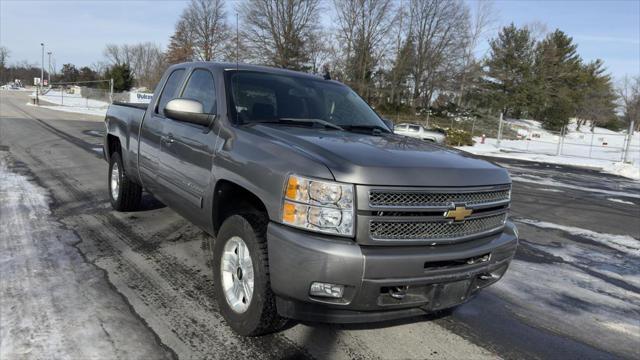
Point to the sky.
(77, 31)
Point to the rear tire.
(124, 194)
(248, 313)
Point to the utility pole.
(49, 67)
(42, 68)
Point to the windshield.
(264, 97)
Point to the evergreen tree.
(597, 96)
(558, 70)
(122, 77)
(509, 71)
(69, 73)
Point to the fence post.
(629, 138)
(560, 138)
(591, 146)
(62, 96)
(499, 130)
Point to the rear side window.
(414, 128)
(201, 87)
(170, 90)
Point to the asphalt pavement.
(80, 280)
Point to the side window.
(414, 128)
(201, 87)
(170, 90)
(401, 127)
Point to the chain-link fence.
(94, 96)
(528, 136)
(80, 95)
(571, 141)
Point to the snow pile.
(540, 145)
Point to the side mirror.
(389, 123)
(188, 110)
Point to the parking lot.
(79, 279)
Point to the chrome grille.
(441, 230)
(409, 199)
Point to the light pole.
(42, 68)
(49, 67)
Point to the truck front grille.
(434, 230)
(395, 215)
(418, 199)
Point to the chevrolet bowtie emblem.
(458, 214)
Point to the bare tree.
(439, 30)
(629, 94)
(146, 61)
(363, 30)
(207, 27)
(181, 47)
(281, 32)
(484, 17)
(117, 54)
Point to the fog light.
(326, 290)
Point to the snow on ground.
(540, 145)
(533, 179)
(72, 103)
(72, 109)
(54, 303)
(622, 243)
(620, 201)
(587, 279)
(564, 291)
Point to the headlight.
(318, 205)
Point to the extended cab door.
(152, 135)
(188, 155)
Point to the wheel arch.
(230, 198)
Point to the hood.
(390, 160)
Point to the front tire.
(124, 194)
(241, 274)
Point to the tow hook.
(398, 292)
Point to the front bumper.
(429, 278)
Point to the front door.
(152, 135)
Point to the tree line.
(409, 59)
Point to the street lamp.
(42, 68)
(49, 67)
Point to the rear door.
(151, 134)
(189, 154)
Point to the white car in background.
(418, 131)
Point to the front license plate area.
(451, 294)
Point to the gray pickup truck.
(316, 210)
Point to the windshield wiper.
(310, 121)
(376, 129)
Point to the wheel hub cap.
(115, 181)
(237, 274)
